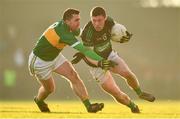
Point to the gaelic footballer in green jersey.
(46, 58)
(97, 34)
(99, 40)
(55, 38)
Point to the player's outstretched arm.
(97, 60)
(87, 52)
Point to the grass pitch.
(75, 109)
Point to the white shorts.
(98, 73)
(41, 69)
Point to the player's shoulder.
(62, 29)
(61, 26)
(87, 28)
(88, 25)
(58, 26)
(109, 21)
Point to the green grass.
(75, 109)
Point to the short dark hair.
(68, 13)
(96, 11)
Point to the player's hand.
(106, 64)
(77, 57)
(126, 38)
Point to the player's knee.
(50, 89)
(74, 74)
(126, 74)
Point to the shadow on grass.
(10, 111)
(53, 112)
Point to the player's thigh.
(122, 66)
(67, 70)
(48, 84)
(110, 85)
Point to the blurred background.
(153, 54)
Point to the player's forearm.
(92, 61)
(87, 52)
(91, 54)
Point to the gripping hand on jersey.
(126, 38)
(104, 64)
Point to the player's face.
(74, 22)
(98, 22)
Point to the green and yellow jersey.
(55, 38)
(99, 40)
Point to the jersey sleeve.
(87, 52)
(86, 35)
(69, 39)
